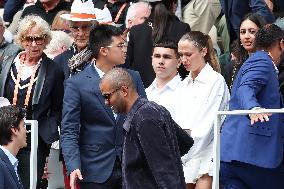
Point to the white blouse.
(197, 104)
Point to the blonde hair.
(29, 22)
(60, 23)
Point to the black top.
(152, 149)
(39, 10)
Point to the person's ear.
(282, 44)
(14, 131)
(124, 90)
(129, 21)
(204, 52)
(103, 51)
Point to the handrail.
(33, 155)
(216, 141)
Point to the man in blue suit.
(235, 10)
(91, 134)
(12, 139)
(252, 146)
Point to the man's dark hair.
(268, 36)
(168, 44)
(10, 116)
(101, 36)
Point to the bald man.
(153, 142)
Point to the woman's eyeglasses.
(39, 40)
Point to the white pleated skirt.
(199, 165)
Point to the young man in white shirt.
(165, 62)
(12, 139)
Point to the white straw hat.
(85, 11)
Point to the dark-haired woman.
(244, 46)
(252, 146)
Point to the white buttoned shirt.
(196, 106)
(166, 95)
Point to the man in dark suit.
(12, 139)
(91, 134)
(153, 142)
(235, 10)
(252, 146)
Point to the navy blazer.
(235, 10)
(47, 98)
(260, 144)
(91, 137)
(8, 177)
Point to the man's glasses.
(121, 45)
(107, 96)
(39, 40)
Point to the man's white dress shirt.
(164, 96)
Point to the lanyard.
(17, 84)
(119, 12)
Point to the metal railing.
(32, 127)
(216, 142)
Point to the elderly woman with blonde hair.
(31, 80)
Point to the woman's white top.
(197, 103)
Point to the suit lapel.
(96, 80)
(5, 159)
(5, 71)
(40, 80)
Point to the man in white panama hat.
(82, 17)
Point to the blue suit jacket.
(235, 10)
(260, 144)
(8, 177)
(91, 138)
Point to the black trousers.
(113, 182)
(24, 162)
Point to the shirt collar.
(172, 84)
(137, 104)
(14, 161)
(202, 76)
(276, 69)
(100, 72)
